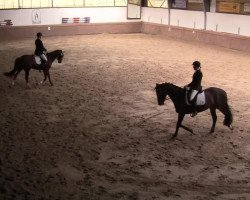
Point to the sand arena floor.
(98, 133)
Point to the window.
(35, 3)
(89, 3)
(10, 4)
(68, 3)
(120, 2)
(83, 3)
(7, 4)
(158, 3)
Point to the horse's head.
(161, 92)
(60, 55)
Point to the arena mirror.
(134, 9)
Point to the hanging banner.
(36, 17)
(229, 7)
(246, 7)
(180, 4)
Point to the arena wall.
(23, 17)
(229, 23)
(187, 25)
(18, 32)
(231, 41)
(219, 22)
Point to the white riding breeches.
(44, 57)
(193, 94)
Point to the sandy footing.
(98, 133)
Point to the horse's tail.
(223, 106)
(228, 120)
(10, 74)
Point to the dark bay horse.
(216, 98)
(27, 62)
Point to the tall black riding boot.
(194, 110)
(43, 63)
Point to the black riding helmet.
(39, 34)
(196, 64)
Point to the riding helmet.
(196, 64)
(39, 34)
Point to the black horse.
(27, 62)
(215, 98)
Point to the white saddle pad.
(201, 100)
(38, 60)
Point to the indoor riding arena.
(97, 131)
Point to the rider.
(40, 49)
(195, 85)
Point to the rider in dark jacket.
(197, 77)
(195, 85)
(40, 49)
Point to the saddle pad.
(38, 60)
(201, 100)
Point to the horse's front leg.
(178, 125)
(49, 78)
(45, 77)
(187, 129)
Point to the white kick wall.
(229, 23)
(220, 22)
(155, 15)
(23, 17)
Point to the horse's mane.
(55, 52)
(175, 87)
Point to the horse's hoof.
(173, 137)
(231, 127)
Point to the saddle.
(199, 99)
(38, 60)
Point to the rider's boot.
(43, 63)
(193, 108)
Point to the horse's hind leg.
(27, 77)
(15, 76)
(214, 116)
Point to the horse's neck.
(52, 56)
(176, 95)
